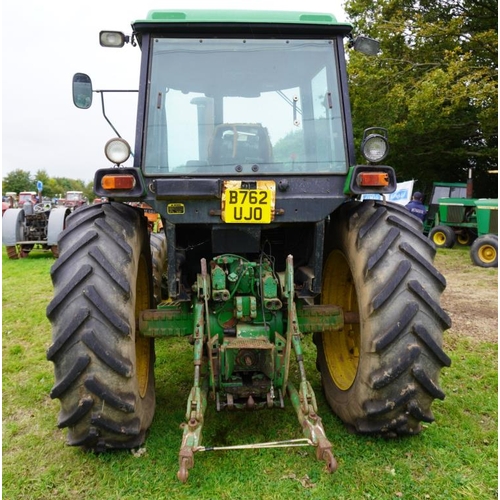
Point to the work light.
(112, 39)
(117, 150)
(374, 146)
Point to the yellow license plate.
(248, 202)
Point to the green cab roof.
(239, 16)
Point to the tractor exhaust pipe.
(469, 184)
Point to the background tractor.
(27, 196)
(462, 220)
(484, 250)
(454, 222)
(442, 190)
(245, 148)
(453, 217)
(9, 201)
(32, 225)
(73, 200)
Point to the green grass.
(454, 458)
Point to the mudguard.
(12, 226)
(57, 219)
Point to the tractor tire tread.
(92, 313)
(398, 292)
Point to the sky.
(45, 43)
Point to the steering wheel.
(42, 207)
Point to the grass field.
(454, 458)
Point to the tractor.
(484, 249)
(27, 196)
(462, 220)
(32, 225)
(454, 222)
(244, 146)
(442, 190)
(74, 200)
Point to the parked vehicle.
(484, 250)
(32, 225)
(455, 221)
(74, 200)
(25, 196)
(442, 190)
(8, 201)
(245, 147)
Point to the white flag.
(401, 196)
(403, 192)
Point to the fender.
(57, 219)
(13, 226)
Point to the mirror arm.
(104, 109)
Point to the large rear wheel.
(380, 374)
(104, 371)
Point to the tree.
(434, 86)
(17, 181)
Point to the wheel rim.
(439, 238)
(487, 254)
(142, 344)
(463, 239)
(341, 348)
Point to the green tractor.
(462, 220)
(455, 222)
(455, 217)
(484, 249)
(442, 190)
(245, 147)
(450, 214)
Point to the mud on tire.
(104, 374)
(380, 376)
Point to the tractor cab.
(242, 123)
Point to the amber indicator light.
(111, 182)
(373, 179)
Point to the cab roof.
(239, 16)
(235, 20)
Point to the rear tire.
(465, 238)
(380, 376)
(443, 236)
(484, 251)
(158, 243)
(12, 252)
(104, 376)
(25, 250)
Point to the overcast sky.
(44, 42)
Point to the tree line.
(53, 187)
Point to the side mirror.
(366, 45)
(82, 91)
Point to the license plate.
(248, 202)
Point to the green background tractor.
(451, 215)
(484, 250)
(245, 148)
(454, 222)
(455, 217)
